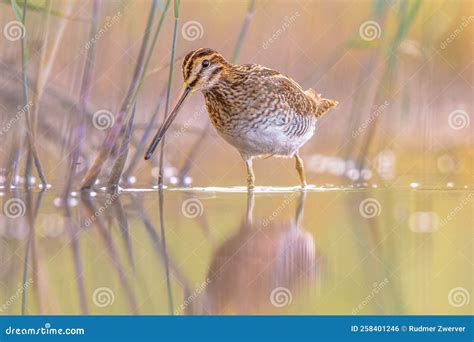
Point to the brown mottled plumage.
(257, 110)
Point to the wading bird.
(259, 111)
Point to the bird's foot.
(250, 185)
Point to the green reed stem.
(79, 127)
(170, 81)
(121, 117)
(243, 31)
(119, 164)
(39, 8)
(135, 86)
(29, 131)
(139, 150)
(406, 20)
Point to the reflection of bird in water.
(257, 110)
(258, 259)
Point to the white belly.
(267, 141)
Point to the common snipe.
(257, 110)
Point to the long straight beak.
(169, 120)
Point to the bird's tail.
(324, 105)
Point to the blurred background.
(401, 71)
(385, 229)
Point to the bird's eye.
(205, 63)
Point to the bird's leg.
(250, 174)
(300, 169)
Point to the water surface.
(378, 251)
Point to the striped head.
(202, 69)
